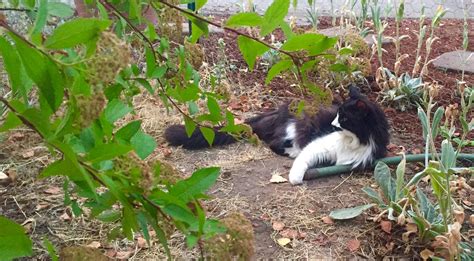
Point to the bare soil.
(244, 184)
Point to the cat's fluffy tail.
(176, 136)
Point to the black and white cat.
(355, 133)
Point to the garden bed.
(276, 210)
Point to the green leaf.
(436, 120)
(323, 45)
(11, 121)
(14, 242)
(384, 179)
(448, 156)
(179, 213)
(214, 109)
(129, 222)
(277, 69)
(250, 49)
(30, 4)
(41, 17)
(77, 31)
(373, 195)
(274, 16)
(348, 213)
(107, 152)
(143, 144)
(339, 67)
(189, 125)
(400, 177)
(14, 68)
(424, 121)
(427, 208)
(62, 167)
(59, 9)
(128, 131)
(197, 184)
(208, 134)
(150, 61)
(303, 42)
(43, 71)
(200, 4)
(244, 19)
(116, 110)
(109, 216)
(51, 249)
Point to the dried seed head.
(112, 55)
(462, 87)
(433, 90)
(90, 108)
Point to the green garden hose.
(314, 173)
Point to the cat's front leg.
(311, 155)
(316, 152)
(298, 169)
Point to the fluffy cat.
(355, 132)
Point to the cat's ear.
(354, 91)
(361, 105)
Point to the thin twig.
(342, 181)
(16, 9)
(18, 205)
(194, 15)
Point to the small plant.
(312, 15)
(403, 92)
(271, 57)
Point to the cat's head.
(353, 111)
(361, 116)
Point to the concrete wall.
(412, 7)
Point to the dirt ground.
(275, 210)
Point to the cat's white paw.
(296, 177)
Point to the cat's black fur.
(359, 115)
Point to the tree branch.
(16, 9)
(131, 25)
(194, 15)
(86, 166)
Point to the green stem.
(314, 173)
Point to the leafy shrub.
(76, 87)
(403, 92)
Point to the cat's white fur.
(340, 147)
(295, 150)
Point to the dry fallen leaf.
(123, 254)
(28, 154)
(459, 214)
(283, 241)
(278, 226)
(53, 190)
(12, 174)
(386, 226)
(4, 179)
(94, 244)
(141, 242)
(327, 220)
(426, 254)
(111, 253)
(167, 152)
(41, 206)
(65, 217)
(289, 233)
(278, 179)
(471, 220)
(353, 245)
(411, 228)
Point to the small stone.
(456, 61)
